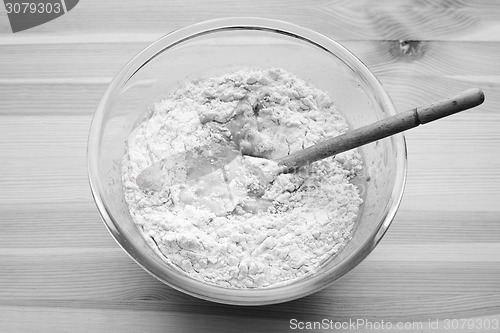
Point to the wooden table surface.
(61, 271)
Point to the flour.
(243, 225)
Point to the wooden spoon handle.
(383, 128)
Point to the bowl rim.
(262, 296)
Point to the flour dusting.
(244, 225)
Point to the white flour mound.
(243, 226)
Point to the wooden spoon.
(151, 178)
(382, 129)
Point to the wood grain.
(90, 59)
(360, 20)
(60, 270)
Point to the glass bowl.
(216, 47)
